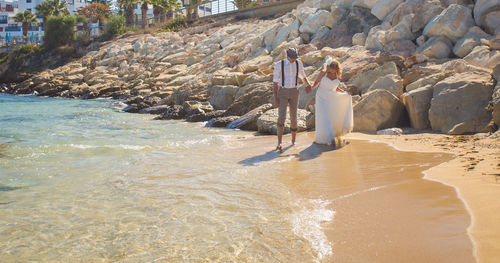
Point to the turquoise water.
(82, 181)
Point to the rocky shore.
(425, 64)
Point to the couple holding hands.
(333, 109)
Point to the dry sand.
(385, 211)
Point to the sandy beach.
(408, 198)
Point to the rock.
(349, 22)
(436, 47)
(415, 59)
(256, 77)
(392, 83)
(496, 73)
(192, 107)
(472, 39)
(482, 56)
(495, 101)
(369, 75)
(390, 131)
(284, 33)
(490, 20)
(355, 59)
(417, 103)
(312, 58)
(377, 110)
(267, 122)
(417, 72)
(314, 22)
(254, 96)
(482, 8)
(258, 63)
(161, 109)
(221, 121)
(319, 35)
(205, 116)
(175, 112)
(383, 7)
(249, 120)
(270, 34)
(222, 96)
(359, 39)
(376, 39)
(421, 10)
(459, 103)
(228, 78)
(369, 4)
(427, 80)
(401, 47)
(453, 22)
(401, 31)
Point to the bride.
(333, 114)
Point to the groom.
(286, 93)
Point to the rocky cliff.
(427, 64)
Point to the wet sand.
(384, 210)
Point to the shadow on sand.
(311, 152)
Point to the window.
(29, 9)
(3, 19)
(28, 1)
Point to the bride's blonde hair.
(334, 64)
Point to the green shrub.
(59, 30)
(3, 57)
(175, 25)
(114, 26)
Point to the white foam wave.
(307, 224)
(122, 146)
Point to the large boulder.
(436, 47)
(314, 22)
(491, 20)
(221, 121)
(205, 116)
(459, 103)
(366, 77)
(383, 7)
(348, 23)
(355, 59)
(285, 33)
(427, 80)
(483, 56)
(160, 109)
(267, 122)
(249, 120)
(377, 110)
(258, 63)
(222, 96)
(495, 101)
(392, 83)
(174, 112)
(254, 95)
(421, 10)
(225, 77)
(369, 4)
(417, 103)
(482, 8)
(472, 39)
(453, 22)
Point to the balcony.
(4, 21)
(13, 29)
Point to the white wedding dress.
(333, 112)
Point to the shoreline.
(474, 185)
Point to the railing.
(12, 29)
(205, 9)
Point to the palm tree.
(26, 18)
(128, 8)
(163, 6)
(51, 8)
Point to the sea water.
(82, 181)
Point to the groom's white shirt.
(290, 73)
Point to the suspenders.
(283, 73)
